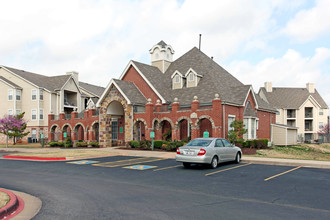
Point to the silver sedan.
(208, 151)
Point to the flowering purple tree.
(9, 123)
(325, 129)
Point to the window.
(191, 77)
(18, 111)
(321, 112)
(114, 130)
(226, 143)
(10, 95)
(18, 94)
(218, 143)
(250, 124)
(41, 114)
(34, 114)
(41, 94)
(34, 94)
(10, 112)
(177, 79)
(231, 118)
(320, 125)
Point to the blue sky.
(285, 42)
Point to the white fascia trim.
(145, 79)
(23, 78)
(231, 116)
(87, 91)
(176, 72)
(74, 83)
(310, 97)
(253, 95)
(9, 84)
(112, 82)
(193, 71)
(161, 48)
(89, 101)
(283, 126)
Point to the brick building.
(179, 99)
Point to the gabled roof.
(96, 90)
(10, 83)
(248, 111)
(291, 98)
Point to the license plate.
(190, 152)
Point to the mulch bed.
(249, 151)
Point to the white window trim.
(32, 115)
(11, 111)
(12, 95)
(41, 109)
(20, 111)
(20, 96)
(41, 91)
(230, 116)
(32, 95)
(321, 111)
(177, 79)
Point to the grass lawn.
(303, 151)
(4, 199)
(32, 145)
(66, 153)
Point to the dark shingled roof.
(248, 111)
(131, 92)
(53, 83)
(162, 44)
(290, 98)
(10, 83)
(215, 80)
(97, 90)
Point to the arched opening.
(79, 132)
(166, 130)
(66, 131)
(95, 129)
(116, 112)
(205, 125)
(184, 129)
(55, 134)
(139, 131)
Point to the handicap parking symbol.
(140, 167)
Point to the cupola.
(161, 56)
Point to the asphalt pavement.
(126, 187)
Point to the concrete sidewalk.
(171, 155)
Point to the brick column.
(217, 116)
(194, 104)
(62, 116)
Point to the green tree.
(18, 132)
(236, 135)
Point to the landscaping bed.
(4, 199)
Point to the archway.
(139, 130)
(55, 133)
(79, 132)
(166, 129)
(115, 111)
(95, 129)
(205, 125)
(184, 129)
(66, 131)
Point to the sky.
(279, 41)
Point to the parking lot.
(125, 187)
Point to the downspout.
(223, 120)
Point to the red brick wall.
(133, 76)
(265, 119)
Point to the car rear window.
(199, 142)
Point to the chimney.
(268, 87)
(310, 87)
(74, 74)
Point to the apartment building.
(39, 95)
(303, 108)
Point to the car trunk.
(190, 150)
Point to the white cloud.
(311, 23)
(290, 70)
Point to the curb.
(34, 158)
(14, 206)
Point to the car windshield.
(199, 142)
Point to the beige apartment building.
(303, 108)
(38, 95)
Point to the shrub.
(56, 144)
(171, 146)
(81, 144)
(67, 142)
(261, 143)
(159, 144)
(146, 144)
(94, 144)
(134, 144)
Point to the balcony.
(308, 125)
(308, 112)
(291, 113)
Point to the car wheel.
(238, 158)
(186, 165)
(214, 162)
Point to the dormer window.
(192, 78)
(177, 80)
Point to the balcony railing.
(67, 116)
(308, 115)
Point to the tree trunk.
(7, 141)
(14, 140)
